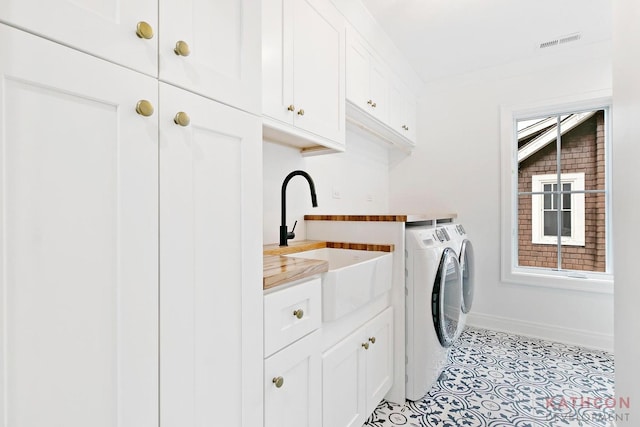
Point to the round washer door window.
(466, 267)
(447, 298)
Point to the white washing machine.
(433, 301)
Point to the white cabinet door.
(292, 385)
(223, 37)
(379, 78)
(277, 60)
(303, 56)
(410, 113)
(318, 79)
(397, 106)
(357, 66)
(211, 264)
(79, 261)
(105, 28)
(379, 332)
(344, 382)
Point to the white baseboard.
(579, 337)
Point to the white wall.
(626, 201)
(360, 175)
(456, 167)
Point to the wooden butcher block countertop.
(279, 269)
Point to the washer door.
(466, 266)
(446, 298)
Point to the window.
(569, 202)
(556, 196)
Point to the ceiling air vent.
(560, 40)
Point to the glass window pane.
(566, 202)
(530, 254)
(550, 223)
(583, 147)
(592, 255)
(566, 224)
(554, 205)
(547, 201)
(566, 186)
(546, 187)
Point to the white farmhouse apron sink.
(354, 278)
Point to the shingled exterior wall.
(583, 150)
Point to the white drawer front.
(290, 314)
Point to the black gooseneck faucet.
(285, 235)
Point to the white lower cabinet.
(292, 386)
(357, 373)
(292, 370)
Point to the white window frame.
(511, 272)
(577, 209)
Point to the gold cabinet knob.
(301, 112)
(181, 118)
(365, 345)
(278, 381)
(144, 108)
(298, 313)
(370, 102)
(372, 340)
(405, 127)
(144, 30)
(374, 105)
(182, 48)
(291, 108)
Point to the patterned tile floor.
(496, 379)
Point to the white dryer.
(433, 301)
(464, 248)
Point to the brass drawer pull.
(182, 48)
(278, 381)
(144, 108)
(365, 345)
(144, 30)
(182, 119)
(373, 340)
(298, 313)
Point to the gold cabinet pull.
(144, 108)
(278, 381)
(182, 48)
(365, 345)
(181, 118)
(372, 340)
(370, 102)
(291, 108)
(405, 127)
(298, 313)
(374, 105)
(144, 30)
(301, 112)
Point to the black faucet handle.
(291, 234)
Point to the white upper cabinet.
(79, 228)
(367, 78)
(104, 28)
(303, 60)
(213, 48)
(211, 263)
(402, 110)
(377, 100)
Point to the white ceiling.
(447, 37)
